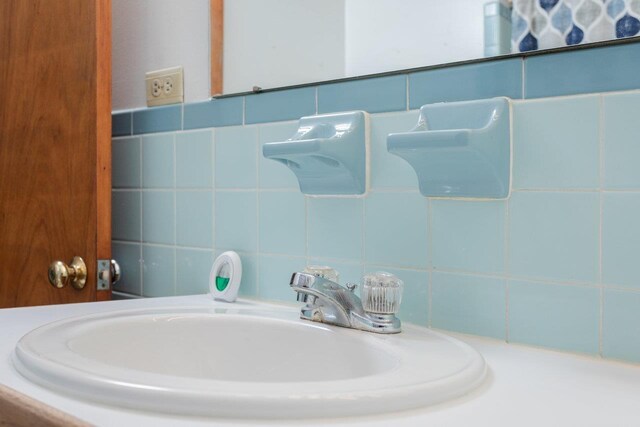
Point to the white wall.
(270, 43)
(386, 35)
(154, 34)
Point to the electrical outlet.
(164, 86)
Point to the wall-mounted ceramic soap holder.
(460, 149)
(329, 154)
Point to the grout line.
(524, 79)
(316, 99)
(160, 190)
(503, 276)
(306, 227)
(125, 138)
(244, 110)
(507, 265)
(141, 260)
(175, 219)
(165, 246)
(213, 190)
(601, 222)
(555, 190)
(407, 90)
(363, 231)
(430, 260)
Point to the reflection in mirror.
(273, 43)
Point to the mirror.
(275, 43)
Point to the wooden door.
(55, 145)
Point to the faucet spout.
(325, 299)
(331, 303)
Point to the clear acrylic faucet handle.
(381, 293)
(323, 271)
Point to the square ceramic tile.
(215, 112)
(126, 163)
(554, 236)
(556, 143)
(468, 235)
(415, 296)
(621, 142)
(374, 95)
(236, 220)
(194, 159)
(558, 316)
(396, 229)
(249, 280)
(192, 271)
(157, 161)
(125, 215)
(286, 104)
(466, 82)
(128, 256)
(235, 158)
(158, 217)
(282, 223)
(121, 124)
(194, 218)
(621, 239)
(274, 273)
(334, 228)
(583, 71)
(157, 119)
(621, 334)
(274, 174)
(388, 170)
(158, 271)
(468, 304)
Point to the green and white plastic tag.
(225, 276)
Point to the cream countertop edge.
(526, 386)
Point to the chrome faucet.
(328, 302)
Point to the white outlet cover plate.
(168, 87)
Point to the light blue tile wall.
(559, 316)
(621, 147)
(553, 265)
(372, 95)
(159, 119)
(126, 163)
(277, 106)
(469, 304)
(547, 136)
(583, 71)
(466, 82)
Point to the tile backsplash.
(554, 265)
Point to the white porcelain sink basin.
(251, 362)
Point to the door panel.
(55, 147)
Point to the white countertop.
(526, 386)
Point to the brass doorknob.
(60, 273)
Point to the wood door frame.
(103, 131)
(217, 45)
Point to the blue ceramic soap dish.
(460, 149)
(328, 154)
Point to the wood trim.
(217, 45)
(103, 135)
(19, 410)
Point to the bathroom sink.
(245, 362)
